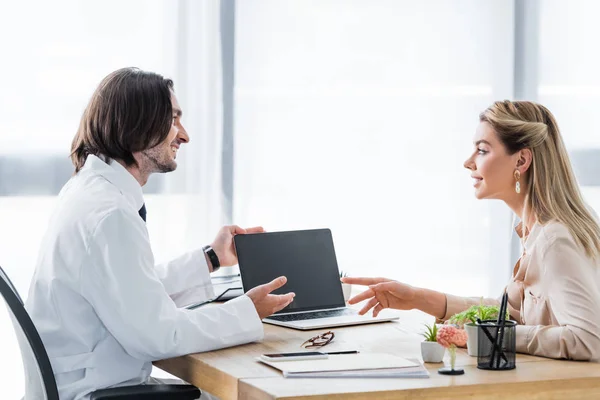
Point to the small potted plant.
(450, 337)
(346, 287)
(468, 319)
(431, 350)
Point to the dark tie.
(142, 212)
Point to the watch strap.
(212, 256)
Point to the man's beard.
(156, 161)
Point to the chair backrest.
(10, 284)
(39, 383)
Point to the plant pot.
(346, 289)
(472, 344)
(432, 352)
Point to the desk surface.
(234, 374)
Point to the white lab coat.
(103, 309)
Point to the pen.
(225, 276)
(497, 345)
(502, 319)
(343, 352)
(490, 338)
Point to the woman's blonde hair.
(552, 191)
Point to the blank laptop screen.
(306, 258)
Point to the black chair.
(41, 384)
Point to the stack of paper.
(352, 366)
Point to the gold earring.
(517, 176)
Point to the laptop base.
(321, 323)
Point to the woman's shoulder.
(553, 230)
(555, 235)
(556, 238)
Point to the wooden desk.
(234, 374)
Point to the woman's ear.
(525, 157)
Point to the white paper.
(418, 372)
(344, 362)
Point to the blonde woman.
(554, 293)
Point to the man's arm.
(120, 281)
(186, 278)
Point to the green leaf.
(480, 311)
(430, 334)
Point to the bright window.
(358, 116)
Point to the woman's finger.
(377, 309)
(363, 281)
(370, 304)
(382, 298)
(367, 294)
(393, 288)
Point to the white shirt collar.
(116, 174)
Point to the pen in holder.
(497, 341)
(496, 347)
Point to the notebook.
(225, 287)
(307, 258)
(352, 366)
(417, 372)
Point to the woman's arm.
(386, 293)
(572, 294)
(456, 304)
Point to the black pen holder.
(496, 345)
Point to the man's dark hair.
(130, 111)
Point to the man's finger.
(367, 294)
(363, 281)
(275, 284)
(286, 298)
(236, 230)
(255, 229)
(283, 301)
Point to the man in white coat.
(103, 309)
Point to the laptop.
(307, 259)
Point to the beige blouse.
(554, 295)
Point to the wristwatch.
(212, 256)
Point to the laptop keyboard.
(313, 315)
